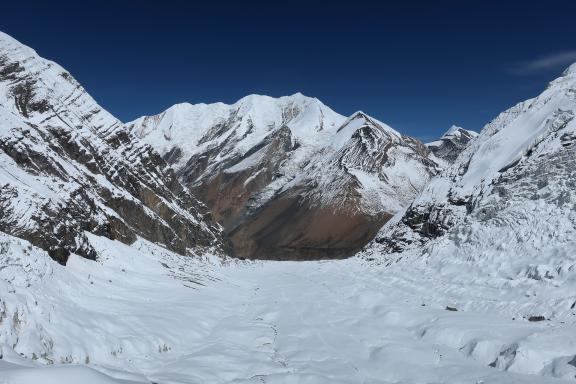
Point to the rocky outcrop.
(68, 167)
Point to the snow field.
(144, 314)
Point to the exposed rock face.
(452, 143)
(67, 167)
(229, 192)
(511, 188)
(289, 178)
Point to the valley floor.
(145, 315)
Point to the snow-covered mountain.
(454, 141)
(279, 173)
(510, 188)
(68, 167)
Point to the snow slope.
(144, 314)
(15, 374)
(504, 214)
(386, 168)
(236, 128)
(514, 178)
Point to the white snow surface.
(143, 314)
(194, 128)
(514, 133)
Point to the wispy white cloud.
(558, 60)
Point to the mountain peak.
(359, 120)
(299, 95)
(451, 143)
(239, 126)
(359, 115)
(571, 70)
(255, 97)
(456, 130)
(452, 129)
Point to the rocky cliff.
(68, 167)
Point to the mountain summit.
(454, 141)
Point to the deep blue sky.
(418, 66)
